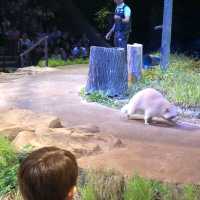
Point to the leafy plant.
(191, 192)
(9, 164)
(103, 185)
(8, 167)
(100, 97)
(102, 18)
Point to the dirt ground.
(155, 151)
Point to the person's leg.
(117, 39)
(121, 39)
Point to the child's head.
(49, 173)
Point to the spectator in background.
(25, 42)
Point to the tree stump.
(135, 62)
(108, 72)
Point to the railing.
(8, 52)
(45, 40)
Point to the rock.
(75, 140)
(25, 138)
(55, 123)
(29, 119)
(39, 130)
(10, 131)
(89, 128)
(118, 144)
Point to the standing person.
(49, 173)
(122, 24)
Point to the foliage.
(139, 188)
(102, 18)
(15, 195)
(191, 192)
(103, 185)
(24, 152)
(99, 97)
(111, 185)
(59, 63)
(87, 192)
(9, 163)
(8, 167)
(180, 83)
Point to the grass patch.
(9, 163)
(101, 98)
(8, 167)
(111, 185)
(60, 63)
(139, 188)
(107, 185)
(101, 185)
(95, 184)
(180, 83)
(191, 192)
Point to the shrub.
(103, 185)
(138, 188)
(191, 192)
(8, 167)
(9, 163)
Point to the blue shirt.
(127, 10)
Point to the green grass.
(180, 83)
(100, 98)
(191, 192)
(111, 185)
(60, 63)
(9, 163)
(102, 185)
(8, 167)
(139, 188)
(95, 184)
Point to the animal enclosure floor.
(160, 151)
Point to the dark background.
(76, 15)
(148, 13)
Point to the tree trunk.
(135, 61)
(107, 71)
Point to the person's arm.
(126, 19)
(112, 29)
(109, 34)
(127, 15)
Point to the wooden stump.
(135, 62)
(108, 71)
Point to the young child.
(49, 173)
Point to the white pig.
(152, 103)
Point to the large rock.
(10, 131)
(24, 127)
(73, 139)
(28, 119)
